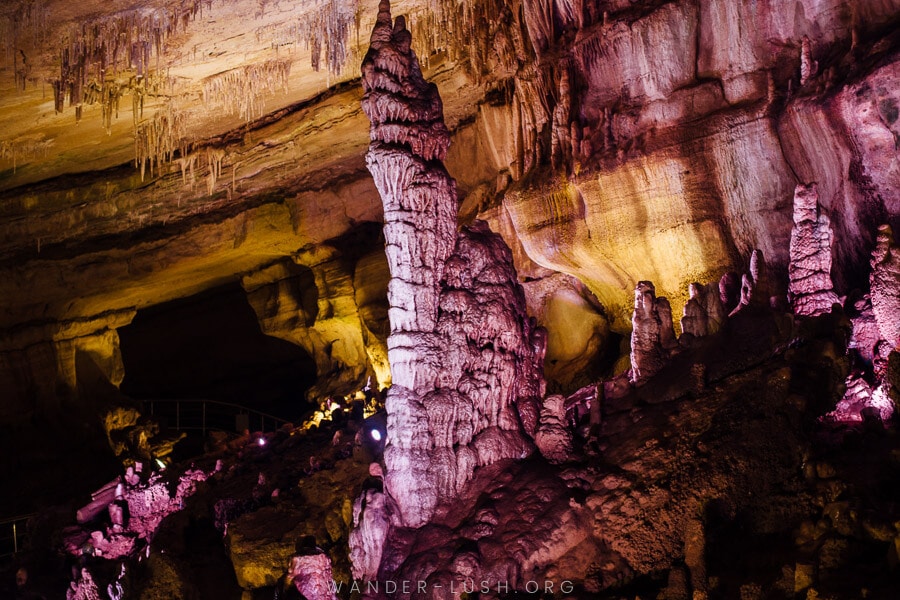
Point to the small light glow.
(261, 441)
(376, 435)
(161, 464)
(334, 406)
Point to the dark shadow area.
(58, 454)
(210, 346)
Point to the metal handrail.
(238, 410)
(16, 532)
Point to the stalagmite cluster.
(810, 290)
(703, 312)
(754, 286)
(465, 358)
(653, 340)
(653, 334)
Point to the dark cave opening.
(210, 347)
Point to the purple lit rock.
(866, 335)
(754, 285)
(311, 575)
(885, 285)
(695, 319)
(729, 291)
(466, 361)
(861, 399)
(554, 439)
(84, 588)
(810, 290)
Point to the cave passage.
(210, 346)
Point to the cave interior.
(449, 299)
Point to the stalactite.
(187, 165)
(242, 91)
(214, 158)
(327, 30)
(25, 148)
(157, 139)
(26, 26)
(105, 58)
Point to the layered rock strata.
(465, 359)
(810, 291)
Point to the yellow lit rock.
(637, 222)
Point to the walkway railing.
(201, 415)
(12, 534)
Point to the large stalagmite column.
(885, 285)
(811, 291)
(466, 361)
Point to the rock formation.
(326, 300)
(554, 437)
(703, 312)
(311, 575)
(371, 524)
(729, 291)
(862, 401)
(810, 290)
(653, 334)
(885, 285)
(865, 335)
(695, 320)
(465, 359)
(754, 285)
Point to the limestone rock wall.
(688, 133)
(39, 365)
(325, 303)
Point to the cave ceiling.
(144, 137)
(92, 85)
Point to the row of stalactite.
(445, 26)
(130, 41)
(210, 159)
(325, 32)
(242, 91)
(24, 27)
(162, 139)
(24, 148)
(157, 139)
